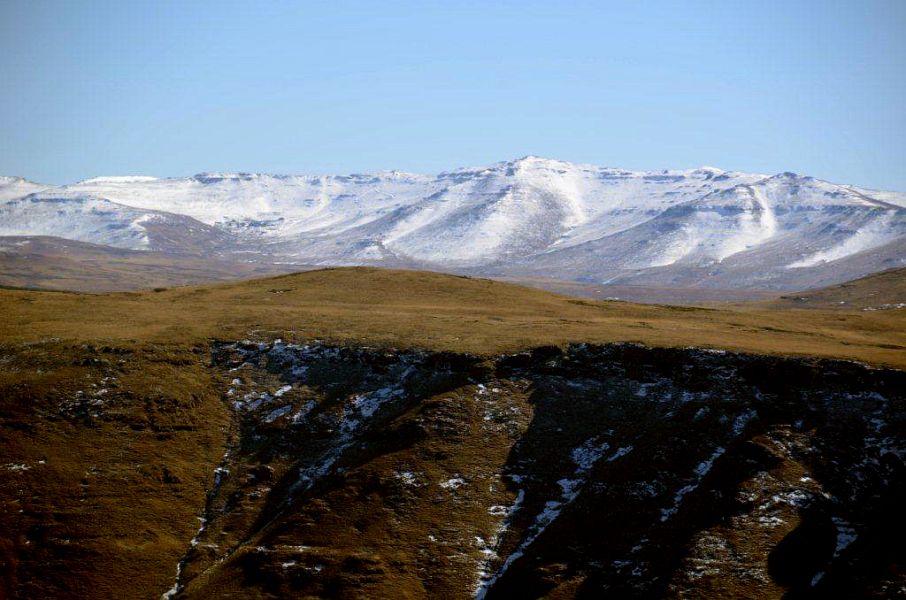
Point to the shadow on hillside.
(615, 537)
(672, 434)
(336, 381)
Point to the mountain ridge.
(701, 227)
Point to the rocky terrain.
(596, 470)
(351, 472)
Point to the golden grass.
(113, 497)
(872, 291)
(124, 487)
(440, 312)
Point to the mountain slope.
(880, 291)
(530, 217)
(16, 187)
(376, 433)
(778, 232)
(100, 221)
(50, 263)
(400, 308)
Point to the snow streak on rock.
(219, 474)
(704, 467)
(584, 457)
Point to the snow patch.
(277, 413)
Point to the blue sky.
(174, 88)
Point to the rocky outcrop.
(617, 469)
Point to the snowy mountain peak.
(118, 179)
(531, 160)
(15, 187)
(217, 177)
(787, 175)
(530, 216)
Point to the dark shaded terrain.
(603, 469)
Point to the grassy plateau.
(113, 420)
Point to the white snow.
(452, 483)
(756, 225)
(620, 453)
(277, 413)
(530, 211)
(86, 218)
(16, 187)
(874, 234)
(740, 422)
(357, 412)
(846, 535)
(300, 415)
(700, 470)
(219, 473)
(704, 467)
(584, 457)
(407, 478)
(118, 179)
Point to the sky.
(163, 88)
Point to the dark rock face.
(614, 470)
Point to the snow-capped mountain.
(16, 187)
(90, 218)
(532, 217)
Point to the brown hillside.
(879, 291)
(116, 429)
(51, 263)
(438, 312)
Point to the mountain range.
(530, 218)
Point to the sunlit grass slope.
(436, 311)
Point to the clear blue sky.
(173, 88)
